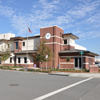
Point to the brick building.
(61, 44)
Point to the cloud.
(82, 10)
(6, 11)
(11, 1)
(73, 17)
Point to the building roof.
(77, 51)
(36, 36)
(71, 35)
(17, 38)
(21, 38)
(4, 40)
(25, 51)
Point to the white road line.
(60, 90)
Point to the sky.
(80, 17)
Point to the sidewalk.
(95, 75)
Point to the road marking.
(60, 90)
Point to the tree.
(5, 53)
(42, 51)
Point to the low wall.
(93, 69)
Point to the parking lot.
(30, 86)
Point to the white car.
(98, 64)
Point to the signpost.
(35, 67)
(46, 61)
(81, 60)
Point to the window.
(25, 60)
(16, 45)
(23, 43)
(18, 59)
(10, 60)
(65, 41)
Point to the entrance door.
(77, 63)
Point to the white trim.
(66, 63)
(85, 63)
(54, 36)
(77, 56)
(61, 89)
(93, 65)
(54, 43)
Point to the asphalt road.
(30, 86)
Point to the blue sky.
(80, 17)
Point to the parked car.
(98, 64)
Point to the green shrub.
(17, 67)
(1, 67)
(21, 70)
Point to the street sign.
(81, 53)
(46, 56)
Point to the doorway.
(77, 63)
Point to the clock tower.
(53, 37)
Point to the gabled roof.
(71, 35)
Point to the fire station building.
(61, 44)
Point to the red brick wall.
(66, 64)
(88, 61)
(54, 31)
(93, 69)
(68, 47)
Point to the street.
(15, 85)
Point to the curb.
(94, 75)
(59, 74)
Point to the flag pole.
(27, 49)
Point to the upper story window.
(18, 59)
(65, 41)
(23, 43)
(16, 45)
